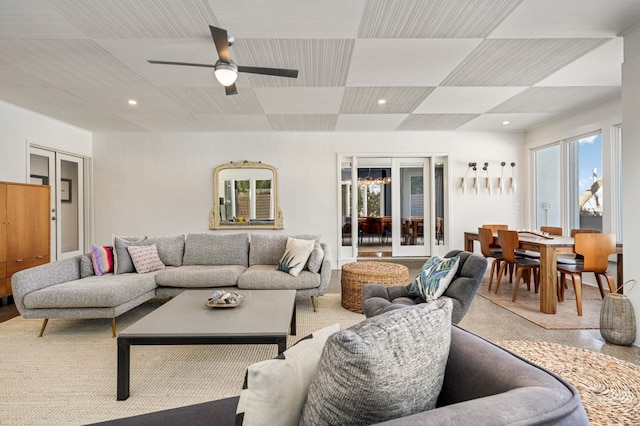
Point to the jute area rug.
(609, 387)
(68, 376)
(527, 305)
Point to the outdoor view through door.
(398, 204)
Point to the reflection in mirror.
(246, 195)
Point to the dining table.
(549, 247)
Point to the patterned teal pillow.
(434, 277)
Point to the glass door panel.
(70, 206)
(42, 171)
(411, 195)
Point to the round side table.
(356, 274)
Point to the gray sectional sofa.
(69, 288)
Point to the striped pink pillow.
(102, 259)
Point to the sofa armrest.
(42, 276)
(325, 270)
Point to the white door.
(65, 174)
(42, 171)
(412, 217)
(70, 205)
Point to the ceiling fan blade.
(231, 89)
(221, 40)
(188, 64)
(278, 72)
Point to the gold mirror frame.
(215, 219)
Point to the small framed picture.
(65, 190)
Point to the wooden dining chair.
(595, 249)
(485, 236)
(494, 229)
(551, 230)
(509, 241)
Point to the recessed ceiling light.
(505, 122)
(132, 102)
(382, 101)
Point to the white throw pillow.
(296, 255)
(145, 258)
(276, 390)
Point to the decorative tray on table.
(224, 299)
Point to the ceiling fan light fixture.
(226, 74)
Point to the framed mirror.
(245, 194)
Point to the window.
(570, 183)
(585, 182)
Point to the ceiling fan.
(225, 70)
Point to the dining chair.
(509, 241)
(595, 249)
(485, 236)
(494, 229)
(374, 228)
(551, 230)
(572, 259)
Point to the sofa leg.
(44, 325)
(313, 303)
(113, 326)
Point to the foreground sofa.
(69, 288)
(484, 384)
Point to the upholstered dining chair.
(485, 236)
(595, 249)
(509, 241)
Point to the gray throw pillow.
(86, 266)
(388, 366)
(315, 259)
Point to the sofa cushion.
(216, 249)
(295, 256)
(170, 250)
(315, 259)
(434, 277)
(388, 366)
(275, 390)
(267, 277)
(267, 249)
(145, 258)
(106, 291)
(194, 276)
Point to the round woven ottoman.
(356, 274)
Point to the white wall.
(630, 169)
(162, 184)
(17, 126)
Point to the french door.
(65, 174)
(399, 192)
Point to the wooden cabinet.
(25, 236)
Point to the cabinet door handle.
(40, 257)
(18, 260)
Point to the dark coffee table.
(263, 317)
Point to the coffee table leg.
(293, 319)
(124, 365)
(282, 345)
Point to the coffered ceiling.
(438, 64)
